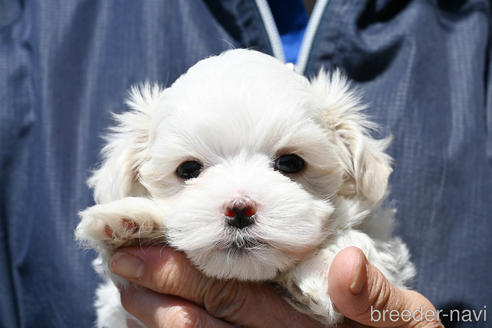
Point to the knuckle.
(163, 279)
(168, 276)
(182, 317)
(223, 299)
(380, 291)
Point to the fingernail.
(127, 266)
(359, 277)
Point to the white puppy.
(251, 170)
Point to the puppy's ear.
(126, 147)
(366, 165)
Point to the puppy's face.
(245, 154)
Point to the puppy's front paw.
(123, 222)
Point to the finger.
(160, 270)
(162, 311)
(167, 271)
(362, 293)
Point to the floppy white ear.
(126, 147)
(367, 167)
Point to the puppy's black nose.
(240, 217)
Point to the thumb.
(362, 293)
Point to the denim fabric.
(424, 67)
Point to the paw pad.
(128, 227)
(108, 231)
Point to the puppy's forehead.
(238, 85)
(241, 100)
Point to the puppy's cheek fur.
(289, 223)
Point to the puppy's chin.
(253, 264)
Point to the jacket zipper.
(271, 29)
(307, 40)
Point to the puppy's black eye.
(290, 163)
(189, 170)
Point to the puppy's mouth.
(240, 245)
(244, 244)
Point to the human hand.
(176, 294)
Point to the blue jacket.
(423, 66)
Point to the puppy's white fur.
(236, 113)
